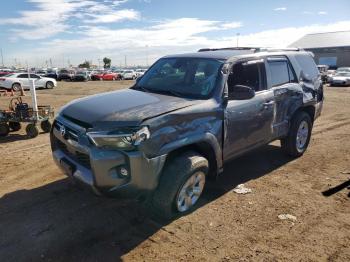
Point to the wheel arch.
(206, 147)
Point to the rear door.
(248, 123)
(286, 91)
(23, 79)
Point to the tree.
(107, 62)
(86, 64)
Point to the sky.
(137, 32)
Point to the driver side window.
(248, 74)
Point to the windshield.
(182, 76)
(64, 72)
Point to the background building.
(331, 48)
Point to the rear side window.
(308, 65)
(281, 72)
(23, 76)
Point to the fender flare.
(207, 138)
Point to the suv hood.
(124, 108)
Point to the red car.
(111, 76)
(97, 75)
(5, 73)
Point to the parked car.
(323, 69)
(97, 75)
(161, 139)
(65, 74)
(129, 75)
(341, 78)
(111, 76)
(343, 69)
(4, 73)
(51, 74)
(15, 81)
(140, 72)
(81, 76)
(41, 72)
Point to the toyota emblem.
(63, 131)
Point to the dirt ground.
(44, 218)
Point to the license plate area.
(68, 167)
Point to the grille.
(70, 133)
(81, 158)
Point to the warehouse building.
(332, 49)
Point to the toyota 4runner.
(162, 138)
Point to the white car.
(15, 81)
(140, 72)
(129, 74)
(341, 78)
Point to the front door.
(248, 123)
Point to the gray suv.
(163, 138)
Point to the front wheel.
(297, 141)
(181, 185)
(49, 85)
(46, 126)
(32, 130)
(4, 129)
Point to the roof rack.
(254, 49)
(228, 48)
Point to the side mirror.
(241, 92)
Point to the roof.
(220, 54)
(321, 40)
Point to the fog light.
(123, 171)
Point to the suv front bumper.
(99, 169)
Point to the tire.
(49, 85)
(15, 126)
(4, 129)
(166, 199)
(16, 87)
(297, 141)
(32, 130)
(46, 126)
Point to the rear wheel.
(16, 87)
(46, 126)
(32, 130)
(4, 129)
(181, 185)
(15, 126)
(297, 141)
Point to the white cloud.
(111, 17)
(172, 36)
(280, 9)
(322, 13)
(35, 24)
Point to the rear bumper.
(99, 169)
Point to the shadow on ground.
(58, 222)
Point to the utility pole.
(63, 60)
(99, 63)
(50, 63)
(125, 61)
(2, 58)
(238, 34)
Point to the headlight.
(118, 140)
